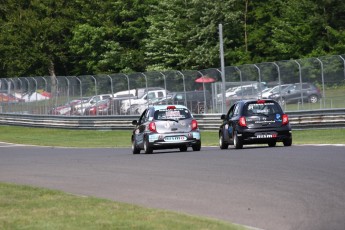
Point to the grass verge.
(121, 138)
(25, 207)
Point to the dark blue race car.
(254, 122)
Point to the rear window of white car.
(177, 114)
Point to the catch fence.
(315, 83)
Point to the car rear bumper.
(264, 136)
(176, 140)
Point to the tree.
(34, 37)
(184, 34)
(282, 30)
(108, 37)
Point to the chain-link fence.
(306, 84)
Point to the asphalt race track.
(298, 187)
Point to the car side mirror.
(135, 122)
(223, 116)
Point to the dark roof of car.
(256, 100)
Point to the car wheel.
(313, 99)
(197, 147)
(287, 142)
(222, 144)
(183, 148)
(272, 144)
(238, 144)
(147, 148)
(135, 148)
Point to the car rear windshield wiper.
(261, 114)
(168, 119)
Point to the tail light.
(285, 119)
(152, 127)
(242, 122)
(194, 124)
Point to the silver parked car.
(165, 127)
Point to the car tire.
(183, 148)
(135, 149)
(238, 143)
(197, 147)
(287, 142)
(222, 144)
(313, 99)
(147, 148)
(272, 144)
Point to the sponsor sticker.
(153, 137)
(230, 129)
(273, 135)
(196, 135)
(175, 138)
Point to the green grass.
(24, 207)
(64, 137)
(319, 136)
(121, 138)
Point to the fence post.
(111, 85)
(184, 88)
(240, 80)
(300, 80)
(259, 74)
(279, 81)
(203, 87)
(35, 90)
(165, 84)
(323, 82)
(46, 90)
(344, 64)
(81, 93)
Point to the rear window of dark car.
(178, 113)
(259, 108)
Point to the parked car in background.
(194, 100)
(254, 122)
(274, 90)
(298, 92)
(165, 127)
(80, 107)
(116, 103)
(9, 98)
(245, 91)
(149, 97)
(99, 108)
(67, 109)
(137, 92)
(251, 91)
(137, 108)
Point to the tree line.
(81, 37)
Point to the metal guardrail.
(334, 118)
(298, 120)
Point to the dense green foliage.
(61, 37)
